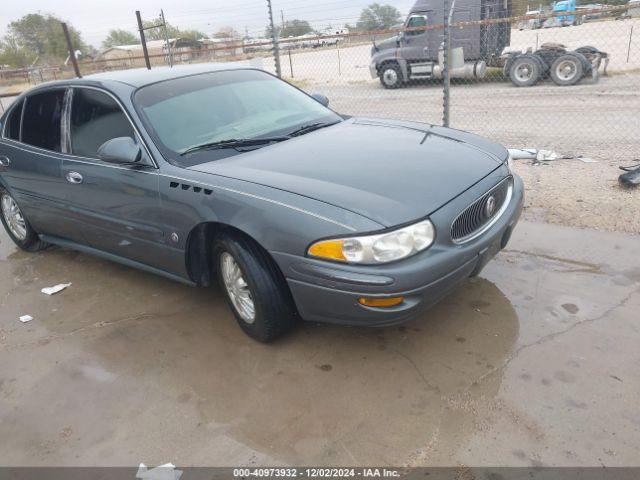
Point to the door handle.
(73, 177)
(4, 162)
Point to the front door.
(118, 207)
(414, 42)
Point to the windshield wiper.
(310, 127)
(234, 143)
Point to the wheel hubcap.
(566, 70)
(390, 77)
(13, 217)
(524, 72)
(237, 288)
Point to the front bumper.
(328, 293)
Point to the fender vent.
(185, 186)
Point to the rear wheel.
(566, 70)
(254, 287)
(525, 71)
(17, 225)
(390, 75)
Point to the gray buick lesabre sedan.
(219, 171)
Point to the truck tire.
(567, 69)
(390, 75)
(525, 70)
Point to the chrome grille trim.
(466, 227)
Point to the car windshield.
(195, 111)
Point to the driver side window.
(416, 21)
(95, 118)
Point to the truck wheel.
(566, 70)
(390, 76)
(525, 71)
(254, 288)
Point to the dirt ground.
(533, 363)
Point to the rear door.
(118, 207)
(30, 150)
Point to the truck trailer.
(416, 54)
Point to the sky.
(94, 18)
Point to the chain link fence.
(561, 80)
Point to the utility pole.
(143, 40)
(446, 76)
(166, 37)
(274, 38)
(72, 52)
(282, 17)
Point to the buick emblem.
(490, 206)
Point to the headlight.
(375, 249)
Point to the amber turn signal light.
(380, 302)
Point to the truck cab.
(416, 52)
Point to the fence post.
(143, 40)
(72, 52)
(290, 62)
(274, 38)
(629, 47)
(446, 80)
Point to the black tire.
(567, 69)
(525, 70)
(31, 242)
(274, 310)
(390, 75)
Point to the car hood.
(390, 172)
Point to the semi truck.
(416, 54)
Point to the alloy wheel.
(13, 217)
(237, 288)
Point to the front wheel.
(254, 288)
(17, 225)
(390, 76)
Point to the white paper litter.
(26, 318)
(55, 289)
(586, 159)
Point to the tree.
(157, 33)
(120, 37)
(36, 35)
(295, 28)
(267, 31)
(192, 34)
(378, 17)
(11, 54)
(226, 32)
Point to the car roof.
(140, 77)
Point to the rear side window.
(95, 118)
(41, 120)
(12, 129)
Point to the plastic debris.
(163, 472)
(544, 155)
(631, 178)
(55, 289)
(26, 318)
(523, 153)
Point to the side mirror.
(321, 99)
(120, 150)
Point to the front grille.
(479, 214)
